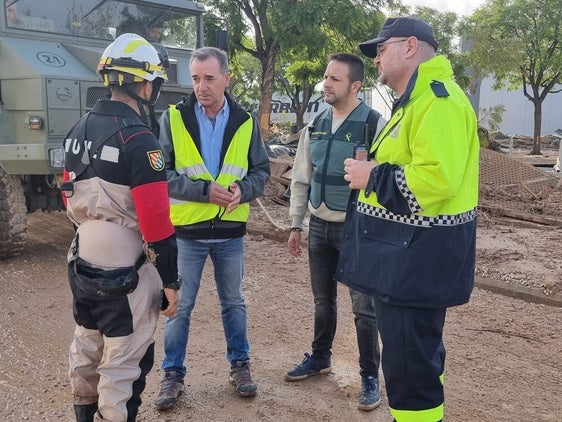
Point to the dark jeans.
(324, 240)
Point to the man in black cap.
(410, 238)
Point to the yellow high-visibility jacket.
(410, 236)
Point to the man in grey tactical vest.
(318, 186)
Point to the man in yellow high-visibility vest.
(216, 164)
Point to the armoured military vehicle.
(49, 51)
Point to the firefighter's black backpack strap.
(101, 136)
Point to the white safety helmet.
(130, 58)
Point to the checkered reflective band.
(408, 195)
(417, 220)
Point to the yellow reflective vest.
(189, 162)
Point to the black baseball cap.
(400, 27)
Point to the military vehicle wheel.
(13, 216)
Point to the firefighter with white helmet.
(122, 263)
(131, 59)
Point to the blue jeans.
(228, 263)
(324, 241)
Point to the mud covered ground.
(503, 360)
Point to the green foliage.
(324, 28)
(212, 24)
(307, 72)
(446, 27)
(245, 72)
(291, 40)
(299, 80)
(490, 118)
(519, 42)
(281, 33)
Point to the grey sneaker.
(310, 366)
(241, 377)
(171, 386)
(370, 397)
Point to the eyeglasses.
(379, 51)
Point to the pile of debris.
(281, 151)
(548, 142)
(510, 188)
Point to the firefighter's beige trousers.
(103, 368)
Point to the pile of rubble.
(511, 185)
(513, 188)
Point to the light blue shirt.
(212, 134)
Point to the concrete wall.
(518, 118)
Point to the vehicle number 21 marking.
(51, 59)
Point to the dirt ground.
(503, 354)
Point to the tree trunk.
(307, 92)
(300, 116)
(537, 130)
(268, 71)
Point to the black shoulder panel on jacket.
(439, 89)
